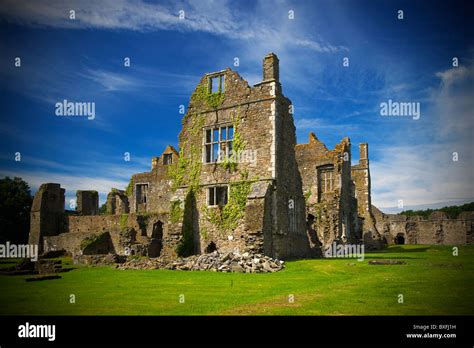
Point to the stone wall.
(117, 202)
(362, 193)
(149, 230)
(159, 186)
(87, 202)
(331, 210)
(437, 229)
(46, 213)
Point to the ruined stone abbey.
(239, 182)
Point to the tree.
(15, 206)
(103, 209)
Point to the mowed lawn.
(432, 282)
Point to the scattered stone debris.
(41, 267)
(387, 262)
(24, 267)
(48, 266)
(215, 262)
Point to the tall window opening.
(218, 143)
(217, 84)
(142, 193)
(325, 180)
(167, 158)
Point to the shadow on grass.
(401, 250)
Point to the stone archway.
(157, 232)
(400, 239)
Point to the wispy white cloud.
(111, 81)
(420, 176)
(214, 17)
(425, 173)
(318, 123)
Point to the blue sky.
(407, 60)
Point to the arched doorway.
(157, 232)
(400, 239)
(156, 244)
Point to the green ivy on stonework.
(129, 189)
(187, 170)
(212, 100)
(307, 195)
(186, 245)
(238, 146)
(176, 212)
(123, 221)
(226, 218)
(177, 170)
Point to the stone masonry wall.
(76, 228)
(46, 213)
(159, 189)
(87, 202)
(330, 214)
(437, 229)
(361, 177)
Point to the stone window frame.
(216, 77)
(210, 145)
(327, 169)
(167, 158)
(214, 188)
(142, 201)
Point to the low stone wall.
(150, 230)
(437, 229)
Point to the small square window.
(217, 195)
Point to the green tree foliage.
(103, 209)
(453, 211)
(15, 206)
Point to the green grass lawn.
(432, 282)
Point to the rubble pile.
(216, 262)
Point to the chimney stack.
(364, 154)
(271, 68)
